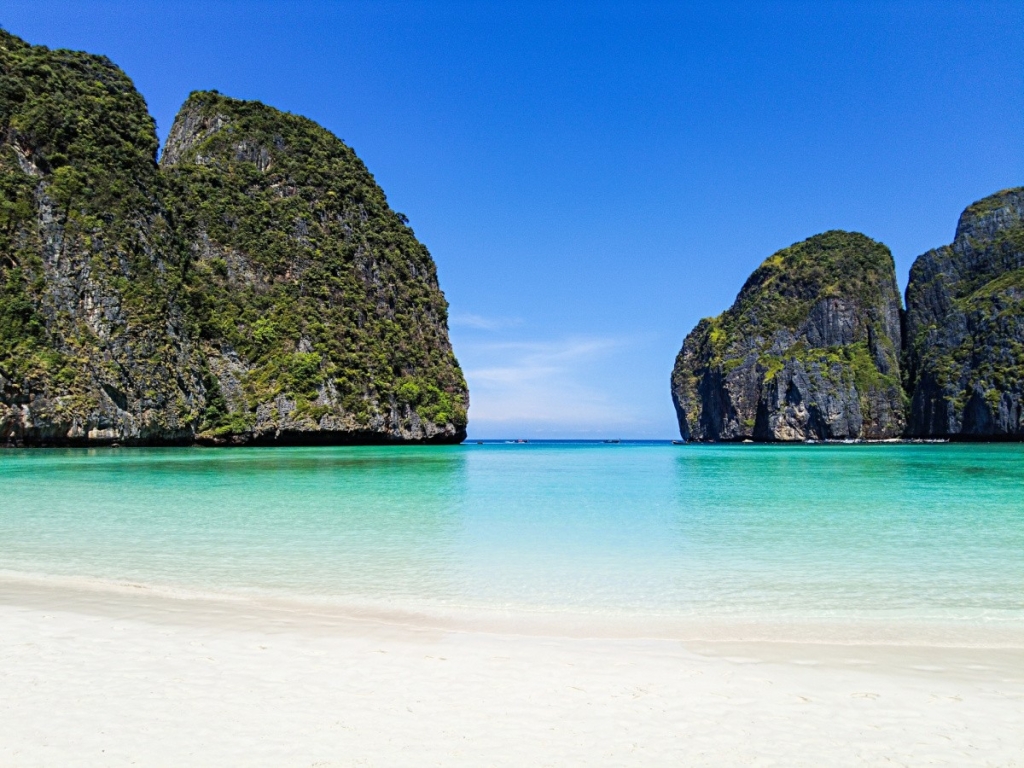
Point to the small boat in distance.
(613, 441)
(678, 442)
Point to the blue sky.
(592, 179)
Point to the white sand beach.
(113, 678)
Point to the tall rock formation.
(93, 346)
(965, 327)
(317, 311)
(809, 350)
(256, 289)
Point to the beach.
(542, 604)
(521, 384)
(108, 677)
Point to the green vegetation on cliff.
(965, 321)
(86, 257)
(813, 345)
(257, 287)
(299, 267)
(809, 349)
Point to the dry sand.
(114, 678)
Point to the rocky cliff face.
(809, 350)
(256, 289)
(316, 309)
(93, 346)
(965, 327)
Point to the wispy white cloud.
(482, 323)
(525, 361)
(544, 386)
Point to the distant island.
(254, 287)
(818, 347)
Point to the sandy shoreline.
(160, 603)
(118, 679)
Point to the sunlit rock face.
(317, 311)
(808, 351)
(965, 327)
(254, 287)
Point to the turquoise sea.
(825, 533)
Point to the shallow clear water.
(916, 532)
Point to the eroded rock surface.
(965, 327)
(809, 350)
(257, 288)
(317, 310)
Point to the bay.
(885, 533)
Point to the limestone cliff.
(965, 327)
(93, 346)
(256, 289)
(317, 311)
(809, 350)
